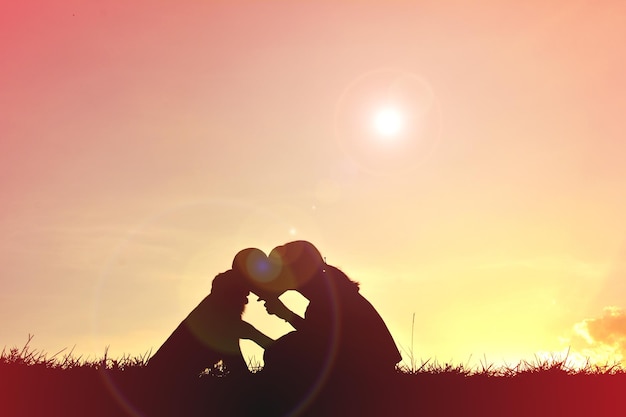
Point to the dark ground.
(38, 390)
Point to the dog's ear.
(250, 261)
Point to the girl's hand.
(278, 308)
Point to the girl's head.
(299, 262)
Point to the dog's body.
(209, 334)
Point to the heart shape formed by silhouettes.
(261, 272)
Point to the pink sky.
(143, 145)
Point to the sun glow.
(388, 122)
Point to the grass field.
(33, 384)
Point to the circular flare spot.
(388, 121)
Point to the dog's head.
(230, 288)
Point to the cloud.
(603, 339)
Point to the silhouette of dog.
(210, 334)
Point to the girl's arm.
(252, 333)
(278, 308)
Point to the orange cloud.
(603, 339)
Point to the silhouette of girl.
(341, 333)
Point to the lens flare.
(388, 122)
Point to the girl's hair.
(340, 279)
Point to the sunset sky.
(464, 161)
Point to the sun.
(388, 121)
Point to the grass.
(33, 383)
(553, 364)
(28, 356)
